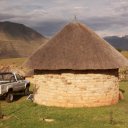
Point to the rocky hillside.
(18, 40)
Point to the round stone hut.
(76, 68)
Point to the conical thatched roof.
(76, 47)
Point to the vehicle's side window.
(12, 79)
(9, 77)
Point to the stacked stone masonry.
(69, 89)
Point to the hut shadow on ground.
(17, 96)
(20, 95)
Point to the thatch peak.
(76, 47)
(76, 25)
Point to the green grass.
(25, 114)
(125, 53)
(12, 61)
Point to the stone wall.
(123, 74)
(77, 88)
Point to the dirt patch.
(4, 117)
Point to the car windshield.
(19, 77)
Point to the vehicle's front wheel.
(26, 91)
(9, 97)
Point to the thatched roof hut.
(76, 47)
(76, 68)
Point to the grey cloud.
(101, 23)
(96, 23)
(6, 16)
(49, 28)
(49, 16)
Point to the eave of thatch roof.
(76, 47)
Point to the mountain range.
(18, 40)
(120, 43)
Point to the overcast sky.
(106, 17)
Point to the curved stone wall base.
(77, 89)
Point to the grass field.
(12, 61)
(125, 53)
(25, 114)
